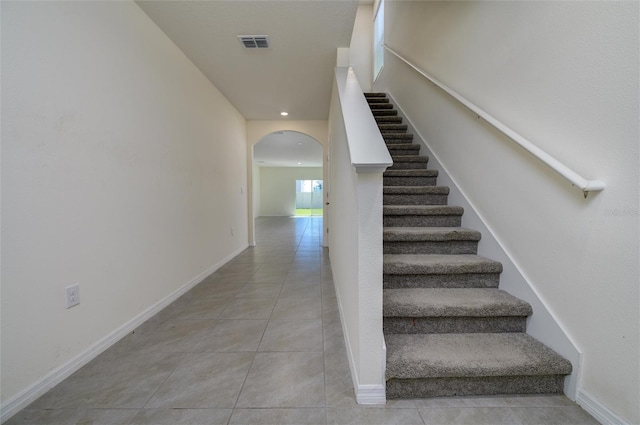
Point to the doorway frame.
(318, 130)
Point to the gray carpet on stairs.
(448, 329)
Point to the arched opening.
(288, 177)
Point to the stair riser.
(396, 137)
(431, 325)
(430, 247)
(376, 100)
(409, 181)
(463, 280)
(391, 143)
(422, 221)
(388, 120)
(393, 151)
(418, 199)
(448, 387)
(384, 113)
(379, 105)
(393, 128)
(408, 166)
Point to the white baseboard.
(53, 378)
(596, 409)
(371, 394)
(365, 394)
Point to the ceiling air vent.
(254, 41)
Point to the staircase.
(449, 330)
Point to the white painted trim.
(367, 148)
(56, 376)
(365, 394)
(371, 394)
(599, 411)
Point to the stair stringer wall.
(542, 325)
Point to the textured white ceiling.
(287, 149)
(294, 75)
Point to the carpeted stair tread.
(377, 101)
(410, 158)
(452, 302)
(438, 264)
(393, 128)
(375, 94)
(388, 119)
(394, 134)
(430, 234)
(470, 355)
(411, 146)
(384, 112)
(410, 173)
(421, 209)
(415, 190)
(380, 105)
(403, 149)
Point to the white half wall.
(278, 188)
(564, 75)
(123, 170)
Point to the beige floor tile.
(373, 416)
(204, 380)
(181, 417)
(284, 380)
(293, 335)
(278, 417)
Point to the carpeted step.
(388, 120)
(409, 162)
(410, 177)
(403, 149)
(380, 105)
(421, 215)
(434, 365)
(384, 112)
(440, 271)
(453, 310)
(397, 137)
(375, 94)
(392, 128)
(430, 240)
(372, 100)
(414, 195)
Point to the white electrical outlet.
(72, 295)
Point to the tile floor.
(258, 342)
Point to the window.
(378, 40)
(309, 197)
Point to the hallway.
(258, 342)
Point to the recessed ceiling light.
(284, 114)
(299, 143)
(299, 163)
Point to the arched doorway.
(256, 131)
(284, 163)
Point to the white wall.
(278, 188)
(361, 47)
(255, 187)
(122, 170)
(564, 75)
